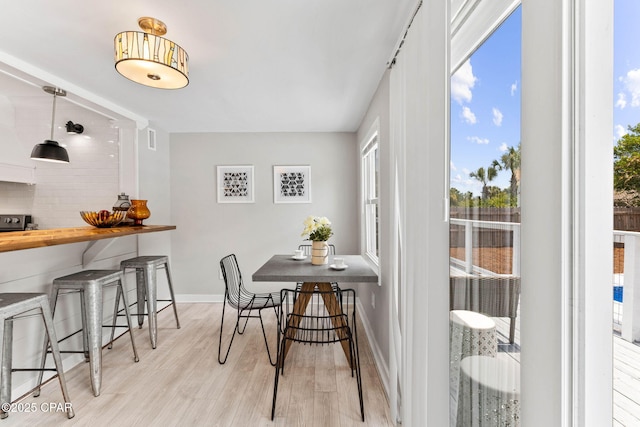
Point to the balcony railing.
(626, 276)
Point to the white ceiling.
(255, 65)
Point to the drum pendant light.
(49, 150)
(146, 58)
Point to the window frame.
(370, 186)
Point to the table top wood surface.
(283, 268)
(18, 240)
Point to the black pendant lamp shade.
(50, 150)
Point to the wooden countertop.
(18, 240)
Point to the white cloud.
(465, 171)
(622, 101)
(620, 131)
(632, 85)
(462, 82)
(468, 116)
(478, 140)
(503, 147)
(497, 117)
(514, 88)
(452, 166)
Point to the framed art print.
(292, 184)
(235, 184)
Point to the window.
(370, 191)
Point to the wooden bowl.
(103, 219)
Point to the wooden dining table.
(284, 268)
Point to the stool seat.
(145, 260)
(470, 334)
(90, 284)
(146, 267)
(12, 305)
(489, 392)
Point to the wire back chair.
(318, 314)
(245, 302)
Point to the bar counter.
(18, 240)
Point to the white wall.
(154, 186)
(378, 317)
(207, 231)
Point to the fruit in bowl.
(103, 218)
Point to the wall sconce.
(74, 128)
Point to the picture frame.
(292, 184)
(235, 184)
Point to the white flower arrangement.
(317, 228)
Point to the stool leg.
(121, 292)
(115, 315)
(85, 331)
(47, 318)
(141, 290)
(152, 302)
(53, 299)
(6, 338)
(92, 299)
(173, 297)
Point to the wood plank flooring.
(626, 372)
(181, 383)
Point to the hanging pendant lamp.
(146, 58)
(49, 150)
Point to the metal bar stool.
(11, 306)
(147, 289)
(90, 284)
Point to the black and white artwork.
(235, 184)
(292, 184)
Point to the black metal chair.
(318, 314)
(244, 301)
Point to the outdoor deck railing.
(470, 225)
(625, 283)
(626, 313)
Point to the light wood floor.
(180, 383)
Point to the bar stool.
(90, 284)
(147, 288)
(15, 304)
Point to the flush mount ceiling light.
(148, 59)
(74, 128)
(49, 150)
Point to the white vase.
(319, 253)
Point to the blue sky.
(485, 95)
(485, 106)
(626, 66)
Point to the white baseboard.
(195, 298)
(381, 365)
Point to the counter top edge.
(19, 240)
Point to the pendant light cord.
(53, 114)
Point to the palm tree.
(484, 176)
(510, 161)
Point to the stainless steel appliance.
(11, 222)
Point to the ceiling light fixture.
(148, 59)
(49, 150)
(74, 128)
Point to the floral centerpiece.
(318, 230)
